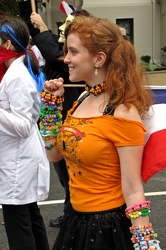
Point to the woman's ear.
(8, 45)
(100, 59)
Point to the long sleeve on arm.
(48, 45)
(19, 104)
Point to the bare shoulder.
(131, 114)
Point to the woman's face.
(62, 28)
(80, 62)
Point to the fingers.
(59, 81)
(50, 86)
(35, 18)
(54, 86)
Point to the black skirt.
(108, 230)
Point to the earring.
(96, 72)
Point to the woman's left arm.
(138, 209)
(133, 191)
(130, 163)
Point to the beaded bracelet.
(140, 227)
(149, 245)
(136, 207)
(50, 97)
(136, 214)
(56, 123)
(141, 230)
(137, 238)
(143, 237)
(48, 134)
(51, 145)
(50, 110)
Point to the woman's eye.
(73, 52)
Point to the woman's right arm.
(53, 153)
(51, 117)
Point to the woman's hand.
(54, 87)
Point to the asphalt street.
(155, 190)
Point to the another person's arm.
(37, 21)
(46, 42)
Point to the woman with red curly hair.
(102, 141)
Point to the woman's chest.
(84, 140)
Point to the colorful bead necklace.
(95, 90)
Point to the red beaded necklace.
(95, 90)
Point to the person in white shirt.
(24, 168)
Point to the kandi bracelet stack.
(143, 236)
(50, 116)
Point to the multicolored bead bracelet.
(50, 116)
(150, 245)
(143, 237)
(136, 214)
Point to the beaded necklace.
(95, 90)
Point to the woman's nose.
(66, 59)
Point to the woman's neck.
(10, 61)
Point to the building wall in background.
(149, 20)
(163, 33)
(146, 21)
